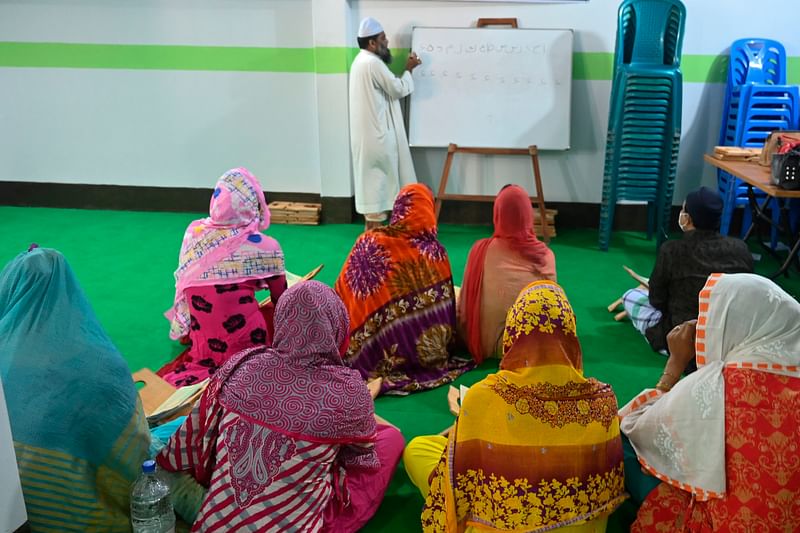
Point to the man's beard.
(385, 55)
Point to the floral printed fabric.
(536, 446)
(559, 405)
(398, 289)
(762, 418)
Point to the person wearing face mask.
(381, 157)
(682, 268)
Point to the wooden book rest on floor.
(155, 390)
(161, 401)
(644, 283)
(543, 229)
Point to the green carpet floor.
(125, 260)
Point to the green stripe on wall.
(705, 68)
(160, 57)
(322, 60)
(592, 65)
(793, 70)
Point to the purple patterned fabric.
(398, 289)
(402, 206)
(300, 386)
(428, 245)
(368, 267)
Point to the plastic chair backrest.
(650, 32)
(755, 60)
(752, 60)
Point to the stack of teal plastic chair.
(757, 102)
(644, 122)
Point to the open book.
(455, 398)
(293, 279)
(163, 402)
(182, 399)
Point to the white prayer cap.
(369, 27)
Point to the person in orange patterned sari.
(723, 440)
(398, 289)
(536, 447)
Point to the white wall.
(159, 127)
(184, 128)
(577, 175)
(197, 22)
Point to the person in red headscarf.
(498, 268)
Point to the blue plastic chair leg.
(728, 205)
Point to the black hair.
(363, 42)
(506, 186)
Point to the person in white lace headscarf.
(710, 437)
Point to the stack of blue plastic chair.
(757, 102)
(645, 113)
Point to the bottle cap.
(149, 466)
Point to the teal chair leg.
(607, 207)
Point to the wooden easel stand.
(532, 151)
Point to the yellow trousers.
(422, 455)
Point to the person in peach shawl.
(498, 268)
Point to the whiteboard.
(491, 87)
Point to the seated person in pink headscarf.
(224, 260)
(498, 268)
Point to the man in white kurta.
(381, 157)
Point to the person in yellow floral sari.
(536, 446)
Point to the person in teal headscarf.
(79, 431)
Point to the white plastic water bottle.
(151, 507)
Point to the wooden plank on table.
(737, 153)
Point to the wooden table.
(755, 175)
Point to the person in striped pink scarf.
(285, 438)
